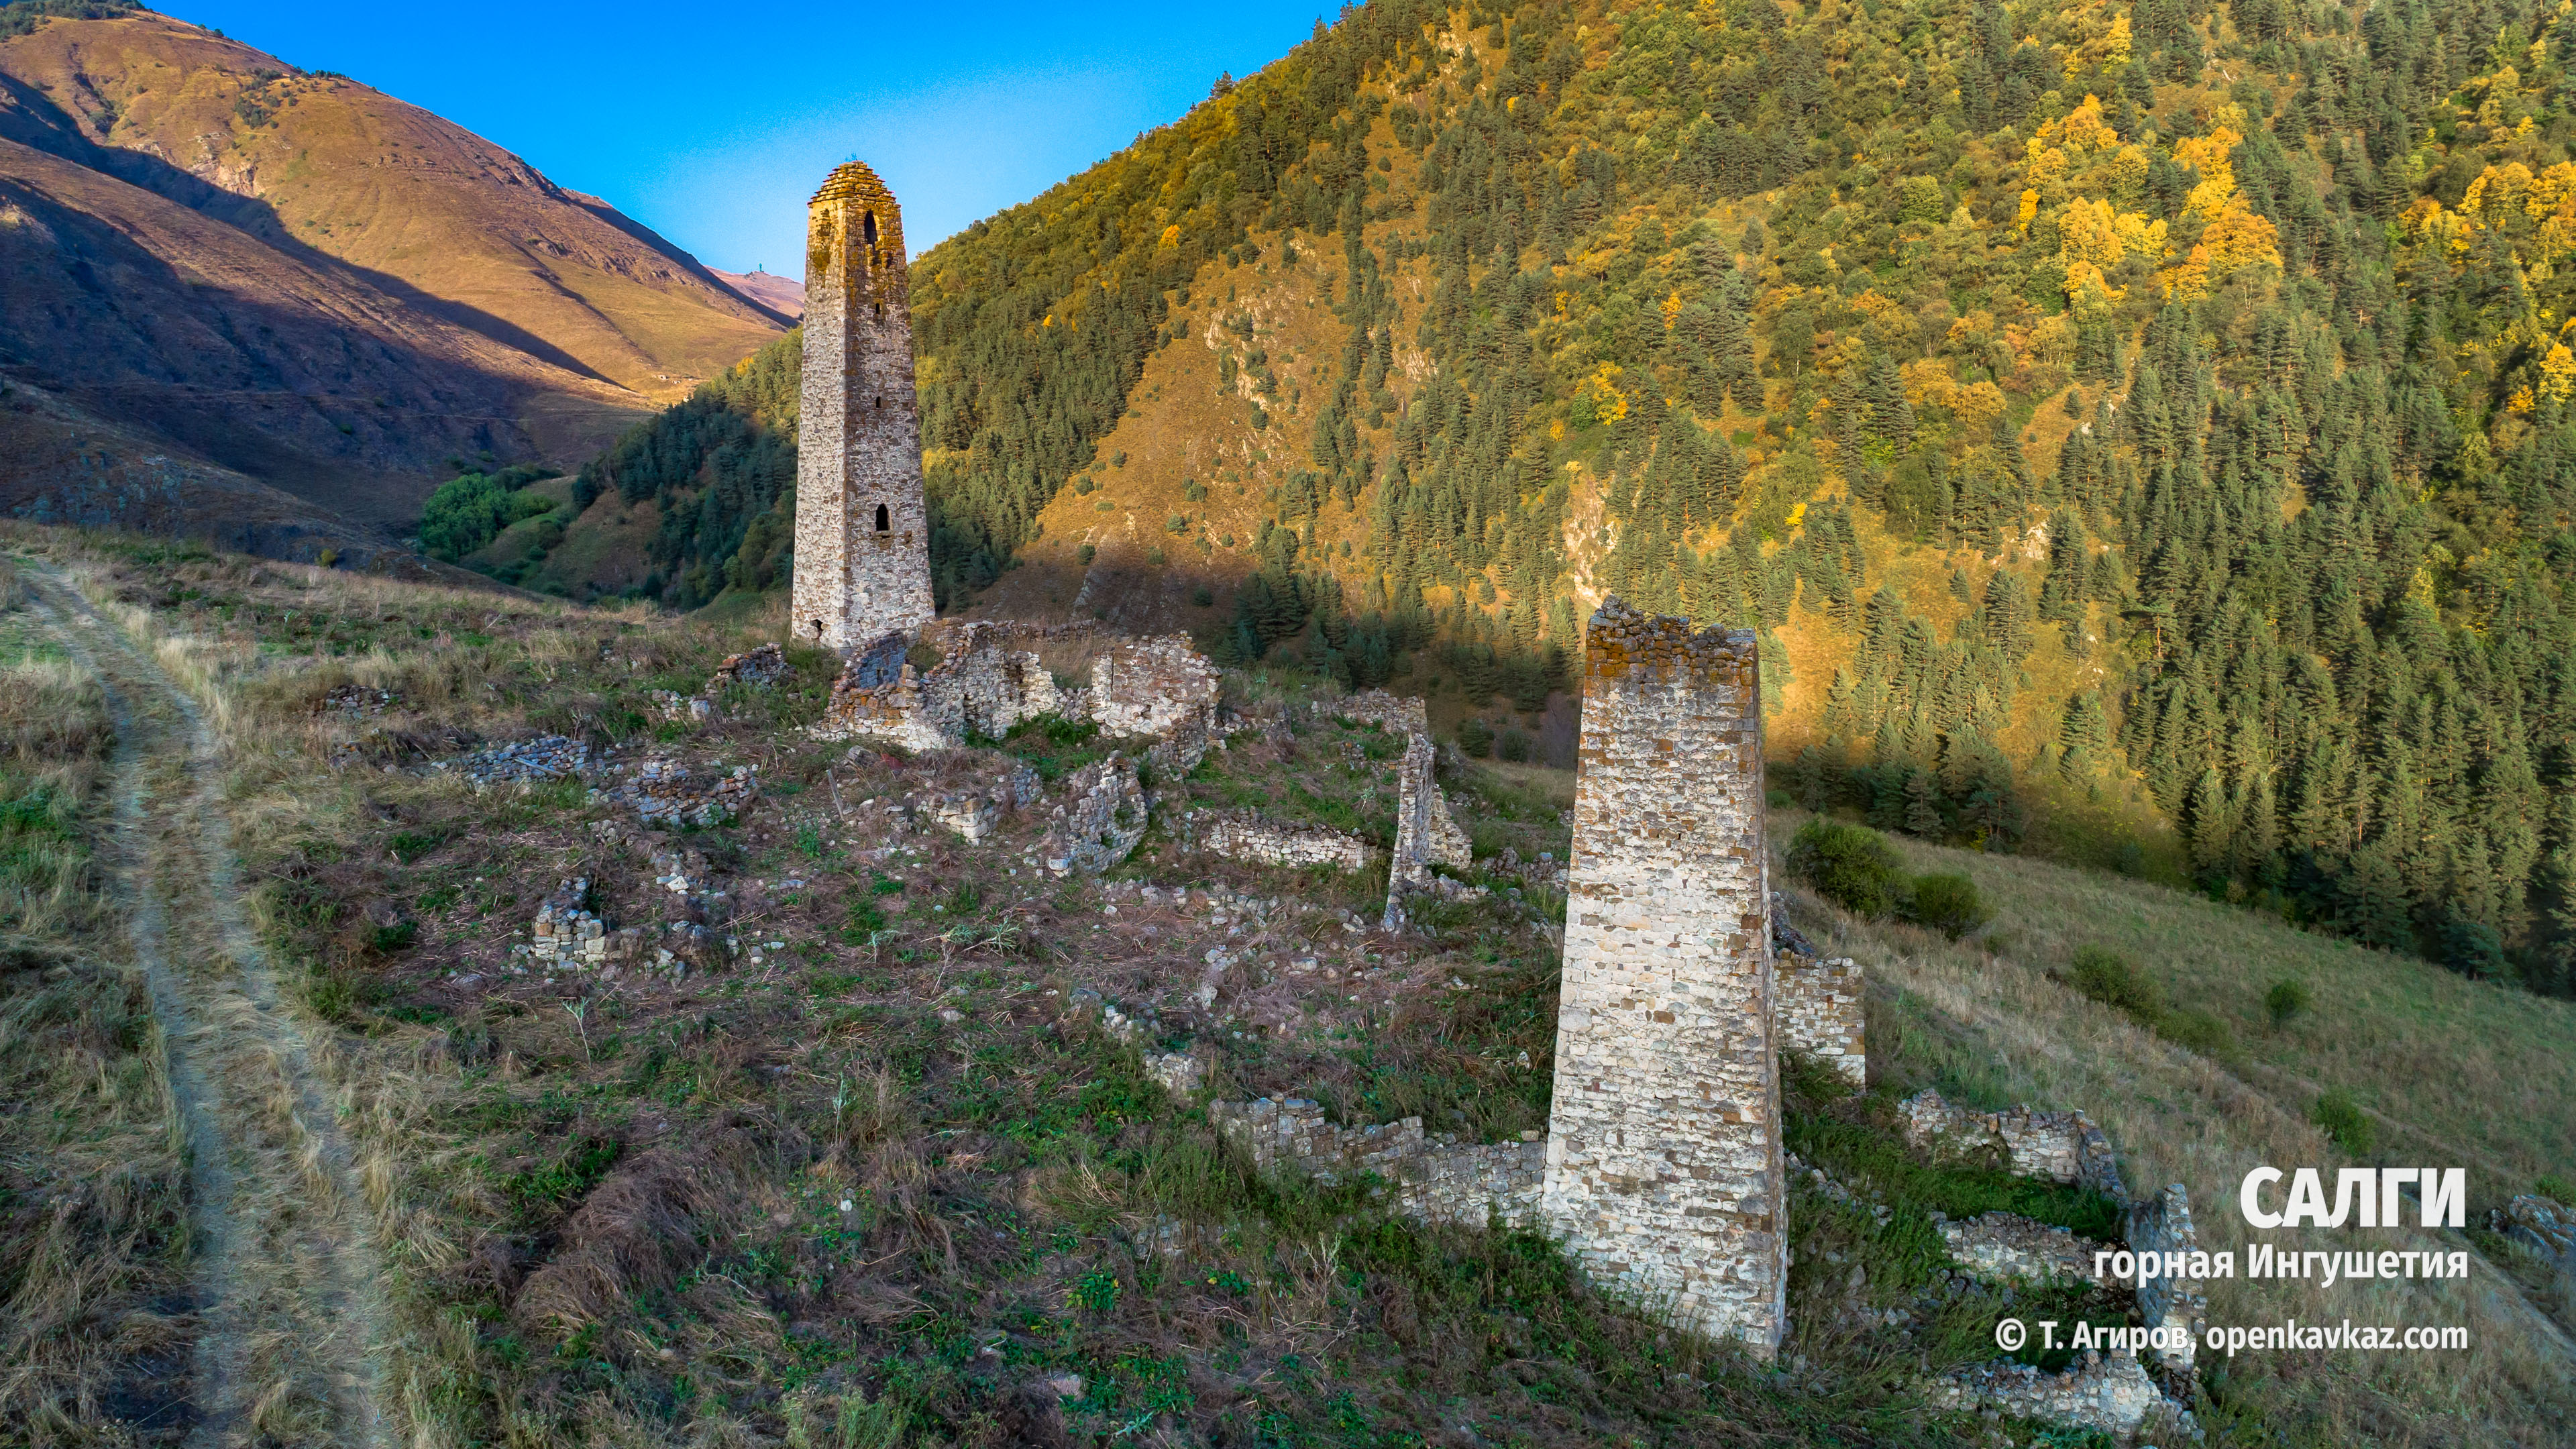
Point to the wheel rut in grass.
(291, 1317)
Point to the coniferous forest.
(2213, 359)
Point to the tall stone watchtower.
(862, 529)
(1663, 1156)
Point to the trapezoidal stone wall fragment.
(1664, 1171)
(862, 529)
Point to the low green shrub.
(2109, 978)
(1476, 737)
(2344, 1121)
(1949, 904)
(2287, 1000)
(1851, 865)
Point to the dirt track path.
(291, 1316)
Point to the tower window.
(868, 227)
(880, 400)
(818, 628)
(884, 522)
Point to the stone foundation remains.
(1101, 821)
(1664, 1171)
(1244, 835)
(982, 686)
(1817, 1009)
(2111, 1394)
(760, 668)
(666, 795)
(2060, 1146)
(991, 679)
(2000, 1246)
(1432, 1178)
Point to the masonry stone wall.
(1404, 714)
(982, 685)
(1100, 822)
(1817, 1010)
(1664, 1171)
(2060, 1146)
(862, 528)
(1431, 1177)
(2111, 1393)
(1425, 833)
(1997, 1246)
(1245, 835)
(2161, 1224)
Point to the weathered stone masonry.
(1664, 1172)
(862, 529)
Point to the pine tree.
(1922, 805)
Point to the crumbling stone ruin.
(760, 668)
(1425, 833)
(2002, 1246)
(2162, 1225)
(666, 795)
(862, 528)
(1430, 1176)
(1664, 1170)
(2111, 1393)
(548, 757)
(990, 678)
(565, 935)
(1100, 821)
(2060, 1146)
(1247, 835)
(982, 686)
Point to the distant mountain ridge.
(300, 279)
(782, 295)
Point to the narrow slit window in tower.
(884, 523)
(868, 227)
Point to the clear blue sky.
(712, 123)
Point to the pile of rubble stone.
(667, 795)
(548, 757)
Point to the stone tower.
(1663, 1157)
(862, 529)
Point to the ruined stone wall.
(2112, 1394)
(982, 685)
(1817, 1010)
(1152, 687)
(1244, 835)
(1403, 714)
(2161, 1224)
(1101, 821)
(862, 529)
(1433, 1178)
(1664, 1172)
(1425, 833)
(2060, 1146)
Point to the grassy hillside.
(869, 1177)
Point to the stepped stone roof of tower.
(853, 181)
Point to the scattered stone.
(548, 757)
(1432, 1177)
(666, 795)
(356, 701)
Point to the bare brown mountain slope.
(782, 295)
(420, 202)
(271, 362)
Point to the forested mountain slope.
(2137, 431)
